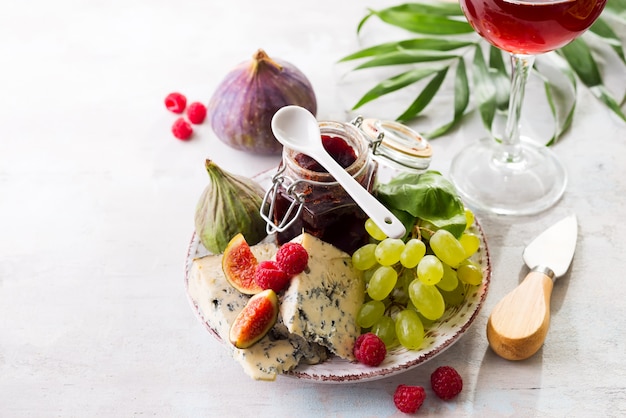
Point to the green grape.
(469, 217)
(369, 313)
(367, 274)
(449, 281)
(470, 243)
(430, 270)
(409, 329)
(388, 251)
(425, 321)
(363, 258)
(382, 282)
(374, 231)
(427, 299)
(400, 294)
(426, 228)
(413, 252)
(405, 278)
(454, 297)
(385, 329)
(470, 273)
(447, 248)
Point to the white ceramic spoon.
(296, 128)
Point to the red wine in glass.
(531, 26)
(515, 175)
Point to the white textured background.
(97, 202)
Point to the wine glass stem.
(510, 149)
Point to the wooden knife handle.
(519, 323)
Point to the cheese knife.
(518, 325)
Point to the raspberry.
(175, 102)
(292, 258)
(446, 382)
(182, 129)
(269, 275)
(409, 399)
(369, 349)
(196, 112)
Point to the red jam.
(337, 147)
(329, 213)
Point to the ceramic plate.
(439, 336)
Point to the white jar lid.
(396, 145)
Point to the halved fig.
(255, 319)
(239, 264)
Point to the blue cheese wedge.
(218, 304)
(274, 355)
(321, 304)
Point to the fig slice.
(239, 264)
(255, 319)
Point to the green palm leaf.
(405, 57)
(425, 96)
(417, 44)
(606, 32)
(447, 37)
(428, 18)
(485, 91)
(579, 56)
(395, 83)
(617, 8)
(560, 99)
(461, 100)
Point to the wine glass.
(515, 175)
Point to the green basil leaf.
(405, 57)
(428, 196)
(406, 219)
(395, 83)
(424, 97)
(429, 44)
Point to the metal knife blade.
(519, 323)
(554, 248)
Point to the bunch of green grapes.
(410, 283)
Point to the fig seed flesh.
(255, 320)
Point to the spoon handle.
(386, 221)
(518, 324)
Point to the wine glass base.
(529, 186)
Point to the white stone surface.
(96, 211)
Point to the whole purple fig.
(241, 108)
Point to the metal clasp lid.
(395, 144)
(269, 202)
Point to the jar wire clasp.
(268, 206)
(373, 143)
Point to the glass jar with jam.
(305, 197)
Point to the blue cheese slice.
(321, 304)
(218, 304)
